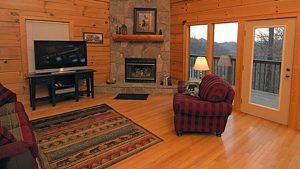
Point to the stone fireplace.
(139, 77)
(141, 70)
(121, 12)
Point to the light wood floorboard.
(248, 142)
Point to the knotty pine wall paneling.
(216, 11)
(178, 13)
(85, 15)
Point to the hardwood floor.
(248, 142)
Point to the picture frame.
(93, 38)
(145, 21)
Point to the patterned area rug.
(95, 137)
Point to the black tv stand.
(65, 71)
(61, 84)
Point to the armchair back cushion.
(6, 96)
(214, 89)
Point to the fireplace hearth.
(140, 70)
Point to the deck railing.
(265, 75)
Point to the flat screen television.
(51, 56)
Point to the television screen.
(59, 54)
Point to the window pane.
(225, 43)
(198, 43)
(266, 69)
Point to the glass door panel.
(266, 65)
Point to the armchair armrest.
(6, 96)
(194, 106)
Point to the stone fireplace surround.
(121, 12)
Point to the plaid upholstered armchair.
(18, 148)
(208, 112)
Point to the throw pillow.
(213, 88)
(192, 89)
(6, 136)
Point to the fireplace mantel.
(137, 38)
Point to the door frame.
(257, 109)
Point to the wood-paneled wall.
(85, 15)
(214, 11)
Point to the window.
(224, 57)
(43, 30)
(198, 43)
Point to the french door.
(267, 68)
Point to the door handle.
(287, 76)
(288, 69)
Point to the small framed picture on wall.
(94, 38)
(144, 20)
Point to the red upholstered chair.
(208, 112)
(16, 137)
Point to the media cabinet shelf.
(137, 38)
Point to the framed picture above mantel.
(145, 21)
